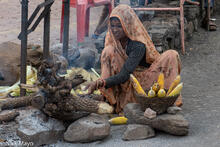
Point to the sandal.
(212, 26)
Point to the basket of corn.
(157, 98)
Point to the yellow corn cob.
(151, 93)
(176, 90)
(160, 80)
(156, 87)
(137, 85)
(174, 84)
(161, 93)
(118, 120)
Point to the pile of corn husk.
(14, 90)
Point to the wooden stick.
(90, 105)
(11, 103)
(8, 116)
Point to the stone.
(190, 29)
(217, 6)
(36, 127)
(145, 15)
(138, 132)
(174, 3)
(86, 59)
(84, 56)
(196, 24)
(163, 30)
(71, 116)
(62, 60)
(8, 132)
(164, 4)
(100, 42)
(1, 76)
(172, 124)
(73, 52)
(191, 12)
(149, 113)
(174, 110)
(88, 129)
(10, 60)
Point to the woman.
(103, 21)
(129, 49)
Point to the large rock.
(36, 127)
(172, 124)
(10, 61)
(88, 129)
(137, 132)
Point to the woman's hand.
(92, 86)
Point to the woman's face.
(117, 29)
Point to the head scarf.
(134, 30)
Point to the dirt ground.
(10, 22)
(200, 73)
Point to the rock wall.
(164, 26)
(217, 6)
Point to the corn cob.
(161, 93)
(151, 93)
(137, 85)
(176, 90)
(174, 84)
(160, 80)
(156, 87)
(118, 120)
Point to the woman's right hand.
(92, 86)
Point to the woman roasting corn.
(130, 50)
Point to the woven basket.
(157, 104)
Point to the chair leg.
(61, 26)
(110, 8)
(81, 22)
(87, 22)
(182, 26)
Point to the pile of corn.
(31, 79)
(157, 89)
(14, 90)
(88, 76)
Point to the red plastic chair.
(83, 12)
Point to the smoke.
(1, 77)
